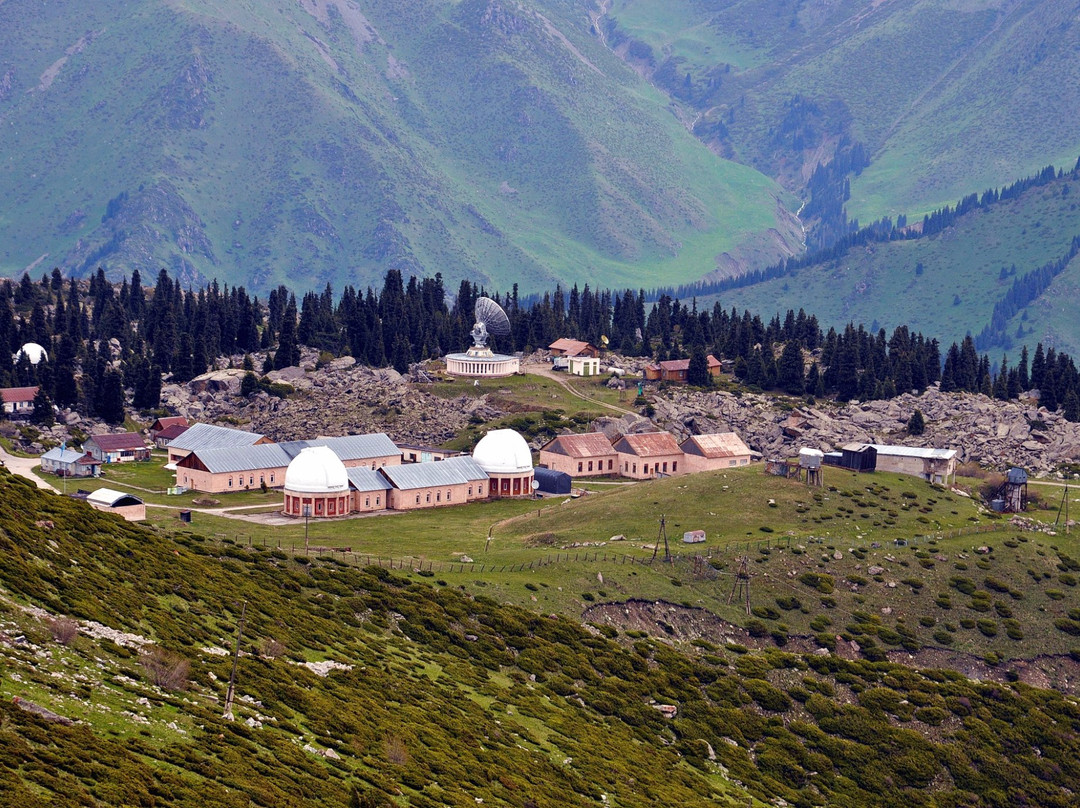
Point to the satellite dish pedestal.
(480, 361)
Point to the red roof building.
(572, 347)
(162, 437)
(717, 451)
(18, 399)
(675, 370)
(590, 454)
(164, 423)
(117, 448)
(649, 454)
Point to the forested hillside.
(999, 265)
(111, 346)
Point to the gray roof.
(927, 453)
(62, 455)
(243, 458)
(367, 480)
(359, 447)
(208, 436)
(452, 471)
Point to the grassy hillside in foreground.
(945, 96)
(329, 141)
(444, 699)
(946, 285)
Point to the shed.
(128, 506)
(693, 537)
(859, 457)
(810, 458)
(552, 482)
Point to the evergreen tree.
(1071, 406)
(288, 352)
(110, 406)
(248, 385)
(697, 373)
(790, 369)
(916, 425)
(43, 409)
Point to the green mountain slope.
(948, 284)
(328, 140)
(437, 698)
(946, 97)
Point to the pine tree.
(697, 373)
(110, 406)
(790, 369)
(916, 425)
(43, 409)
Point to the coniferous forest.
(110, 343)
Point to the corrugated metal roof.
(589, 444)
(720, 444)
(109, 497)
(453, 471)
(569, 347)
(62, 455)
(648, 444)
(359, 447)
(118, 441)
(242, 458)
(926, 453)
(363, 479)
(209, 436)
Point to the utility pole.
(228, 714)
(742, 583)
(663, 535)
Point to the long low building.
(317, 483)
(240, 467)
(934, 465)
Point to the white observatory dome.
(316, 470)
(503, 451)
(34, 352)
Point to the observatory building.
(479, 361)
(317, 484)
(504, 455)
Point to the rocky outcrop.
(993, 433)
(338, 398)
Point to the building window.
(579, 466)
(333, 507)
(590, 465)
(230, 482)
(438, 496)
(251, 480)
(377, 500)
(417, 499)
(318, 506)
(428, 497)
(665, 468)
(731, 462)
(271, 476)
(448, 492)
(367, 502)
(645, 469)
(635, 468)
(609, 464)
(470, 490)
(674, 466)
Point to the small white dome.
(503, 451)
(34, 352)
(316, 470)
